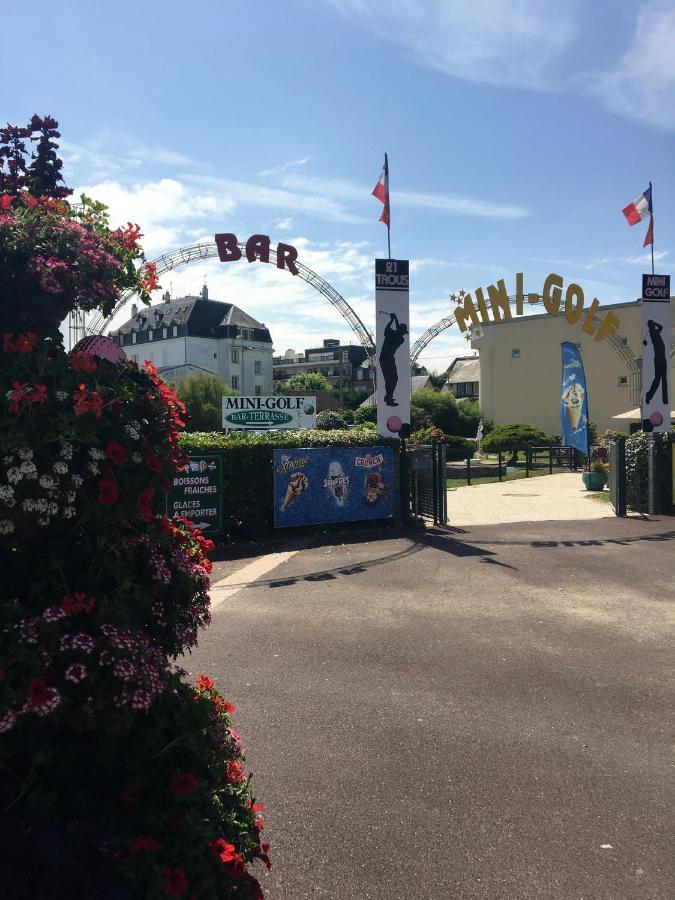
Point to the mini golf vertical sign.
(392, 347)
(655, 400)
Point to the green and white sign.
(196, 493)
(269, 412)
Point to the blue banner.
(573, 400)
(318, 485)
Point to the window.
(175, 330)
(515, 353)
(165, 333)
(234, 355)
(258, 367)
(258, 390)
(133, 338)
(235, 382)
(149, 334)
(623, 380)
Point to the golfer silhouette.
(394, 335)
(660, 362)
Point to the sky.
(517, 130)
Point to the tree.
(351, 398)
(202, 395)
(445, 413)
(514, 438)
(438, 379)
(13, 155)
(304, 381)
(44, 173)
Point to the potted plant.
(596, 479)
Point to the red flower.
(149, 280)
(108, 491)
(24, 392)
(204, 683)
(236, 867)
(144, 504)
(38, 692)
(129, 796)
(77, 603)
(265, 855)
(235, 772)
(25, 343)
(144, 842)
(174, 882)
(222, 850)
(116, 453)
(154, 464)
(184, 783)
(6, 201)
(128, 237)
(82, 361)
(224, 706)
(87, 401)
(38, 394)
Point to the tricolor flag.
(638, 210)
(381, 191)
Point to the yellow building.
(520, 368)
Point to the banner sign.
(573, 400)
(318, 485)
(392, 347)
(269, 412)
(195, 493)
(655, 400)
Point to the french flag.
(381, 191)
(639, 209)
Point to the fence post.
(499, 463)
(468, 470)
(404, 483)
(550, 460)
(434, 478)
(527, 462)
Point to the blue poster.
(318, 485)
(573, 400)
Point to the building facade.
(464, 378)
(520, 369)
(342, 364)
(195, 334)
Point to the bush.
(248, 471)
(310, 382)
(202, 395)
(514, 438)
(330, 420)
(365, 414)
(456, 447)
(348, 416)
(637, 470)
(427, 435)
(445, 413)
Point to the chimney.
(205, 292)
(134, 311)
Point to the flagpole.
(386, 169)
(651, 211)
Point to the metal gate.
(617, 475)
(428, 494)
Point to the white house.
(195, 334)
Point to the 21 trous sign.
(257, 248)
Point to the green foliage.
(419, 418)
(202, 395)
(445, 413)
(637, 467)
(438, 379)
(365, 414)
(514, 437)
(348, 416)
(303, 381)
(351, 398)
(248, 476)
(330, 420)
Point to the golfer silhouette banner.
(656, 353)
(392, 351)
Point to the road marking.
(225, 588)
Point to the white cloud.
(642, 84)
(339, 189)
(283, 224)
(285, 167)
(659, 256)
(162, 208)
(505, 42)
(108, 155)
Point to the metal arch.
(619, 343)
(186, 255)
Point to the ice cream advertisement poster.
(320, 485)
(573, 399)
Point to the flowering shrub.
(117, 779)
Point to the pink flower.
(75, 672)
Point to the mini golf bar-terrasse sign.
(269, 412)
(470, 315)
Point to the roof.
(202, 316)
(417, 382)
(464, 369)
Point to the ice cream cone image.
(296, 485)
(573, 401)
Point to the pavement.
(480, 712)
(537, 499)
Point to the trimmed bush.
(637, 464)
(330, 420)
(365, 414)
(514, 438)
(248, 472)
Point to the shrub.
(248, 472)
(514, 438)
(445, 413)
(637, 470)
(365, 414)
(348, 416)
(309, 382)
(202, 395)
(427, 435)
(330, 420)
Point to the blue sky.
(516, 130)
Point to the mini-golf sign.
(269, 412)
(195, 493)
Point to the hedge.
(248, 478)
(637, 462)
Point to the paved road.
(477, 714)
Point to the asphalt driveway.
(480, 713)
